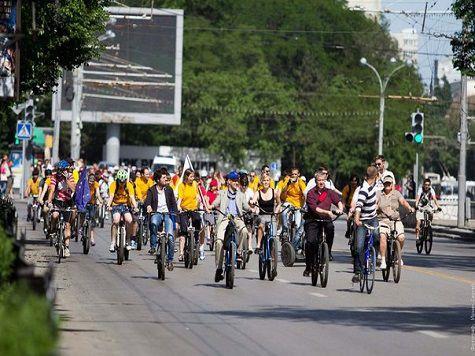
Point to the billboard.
(138, 78)
(7, 47)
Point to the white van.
(170, 163)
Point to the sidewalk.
(448, 228)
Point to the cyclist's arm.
(98, 195)
(27, 190)
(277, 204)
(51, 189)
(405, 204)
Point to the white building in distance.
(372, 8)
(408, 43)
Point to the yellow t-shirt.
(281, 184)
(294, 194)
(34, 186)
(254, 183)
(188, 193)
(76, 175)
(92, 191)
(141, 187)
(121, 197)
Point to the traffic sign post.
(24, 130)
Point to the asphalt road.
(107, 309)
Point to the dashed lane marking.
(433, 334)
(319, 295)
(282, 280)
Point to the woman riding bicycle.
(93, 202)
(188, 202)
(425, 200)
(389, 202)
(268, 202)
(319, 202)
(121, 201)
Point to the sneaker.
(128, 247)
(402, 262)
(383, 264)
(93, 243)
(249, 252)
(299, 251)
(180, 258)
(112, 247)
(306, 273)
(170, 266)
(133, 244)
(202, 255)
(218, 275)
(152, 251)
(331, 257)
(66, 252)
(356, 278)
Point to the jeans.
(156, 221)
(298, 224)
(361, 233)
(3, 187)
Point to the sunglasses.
(379, 164)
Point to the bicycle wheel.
(76, 228)
(120, 246)
(363, 278)
(396, 261)
(314, 270)
(102, 217)
(163, 255)
(140, 235)
(86, 240)
(146, 235)
(389, 260)
(33, 220)
(196, 253)
(420, 242)
(230, 266)
(428, 241)
(211, 240)
(60, 242)
(371, 266)
(272, 262)
(287, 254)
(262, 266)
(324, 265)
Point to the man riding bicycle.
(161, 199)
(121, 202)
(292, 195)
(61, 192)
(230, 202)
(425, 200)
(319, 202)
(33, 190)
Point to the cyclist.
(104, 188)
(188, 201)
(347, 197)
(425, 200)
(328, 182)
(233, 202)
(319, 202)
(92, 205)
(61, 192)
(266, 201)
(161, 199)
(265, 171)
(292, 195)
(33, 190)
(210, 218)
(248, 220)
(44, 185)
(389, 202)
(121, 200)
(365, 213)
(142, 183)
(201, 181)
(380, 163)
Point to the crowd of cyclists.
(291, 209)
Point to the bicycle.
(212, 234)
(287, 250)
(60, 237)
(86, 233)
(34, 212)
(393, 252)
(101, 215)
(142, 237)
(230, 248)
(368, 270)
(425, 233)
(162, 249)
(120, 242)
(191, 251)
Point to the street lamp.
(383, 83)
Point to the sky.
(430, 47)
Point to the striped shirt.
(367, 201)
(62, 192)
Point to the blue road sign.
(24, 130)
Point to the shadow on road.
(453, 320)
(458, 262)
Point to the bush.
(6, 257)
(26, 326)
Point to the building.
(371, 8)
(408, 43)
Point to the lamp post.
(383, 83)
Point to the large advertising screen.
(7, 48)
(138, 78)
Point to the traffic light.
(29, 110)
(416, 134)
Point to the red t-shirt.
(212, 195)
(322, 199)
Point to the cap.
(233, 175)
(214, 183)
(387, 179)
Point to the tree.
(463, 44)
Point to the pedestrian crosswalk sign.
(24, 130)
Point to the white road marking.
(282, 280)
(318, 295)
(433, 334)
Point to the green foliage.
(66, 35)
(26, 327)
(463, 45)
(6, 257)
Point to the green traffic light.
(418, 138)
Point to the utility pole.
(462, 186)
(56, 115)
(76, 114)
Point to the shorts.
(420, 215)
(385, 227)
(120, 209)
(210, 219)
(59, 204)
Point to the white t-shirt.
(379, 182)
(161, 201)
